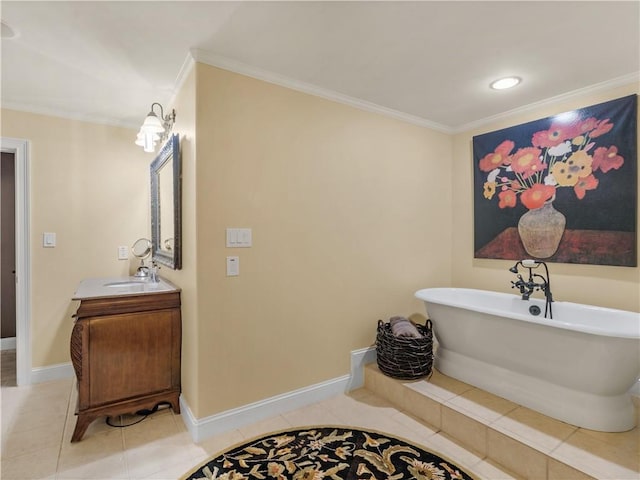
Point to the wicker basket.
(406, 358)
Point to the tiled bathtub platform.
(522, 441)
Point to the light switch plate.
(232, 237)
(244, 237)
(123, 252)
(233, 266)
(239, 237)
(48, 240)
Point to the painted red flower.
(584, 184)
(536, 196)
(516, 186)
(507, 199)
(526, 162)
(602, 127)
(497, 158)
(606, 159)
(585, 126)
(556, 134)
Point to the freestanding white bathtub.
(577, 368)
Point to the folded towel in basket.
(403, 327)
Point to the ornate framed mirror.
(166, 205)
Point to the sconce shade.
(155, 128)
(152, 124)
(147, 140)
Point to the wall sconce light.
(155, 128)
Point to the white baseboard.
(254, 412)
(52, 372)
(202, 428)
(360, 358)
(8, 343)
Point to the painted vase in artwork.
(541, 230)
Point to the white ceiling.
(429, 62)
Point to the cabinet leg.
(175, 403)
(82, 423)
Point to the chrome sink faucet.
(535, 282)
(153, 272)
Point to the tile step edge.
(372, 369)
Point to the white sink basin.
(126, 284)
(118, 286)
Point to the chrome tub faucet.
(534, 282)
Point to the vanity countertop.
(118, 286)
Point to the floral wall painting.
(561, 189)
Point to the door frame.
(20, 149)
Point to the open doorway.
(8, 268)
(21, 272)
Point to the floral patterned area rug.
(322, 452)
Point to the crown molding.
(68, 115)
(235, 66)
(592, 89)
(225, 63)
(188, 65)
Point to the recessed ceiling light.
(506, 82)
(7, 31)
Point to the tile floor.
(8, 363)
(521, 440)
(37, 422)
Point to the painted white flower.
(549, 180)
(492, 175)
(561, 149)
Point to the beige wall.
(607, 286)
(185, 126)
(350, 214)
(89, 185)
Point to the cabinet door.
(129, 355)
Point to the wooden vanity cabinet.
(126, 355)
